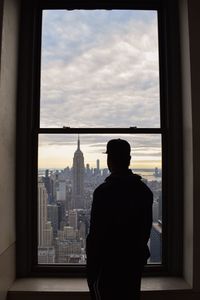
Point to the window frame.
(28, 130)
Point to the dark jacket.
(120, 225)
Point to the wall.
(187, 143)
(190, 61)
(9, 19)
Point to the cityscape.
(64, 204)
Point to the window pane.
(70, 168)
(99, 68)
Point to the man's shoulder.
(131, 185)
(103, 187)
(145, 187)
(139, 188)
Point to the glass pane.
(99, 68)
(69, 169)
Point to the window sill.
(76, 288)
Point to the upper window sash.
(131, 125)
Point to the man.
(120, 225)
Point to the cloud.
(141, 145)
(99, 69)
(58, 150)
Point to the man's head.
(118, 151)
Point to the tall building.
(155, 211)
(61, 214)
(45, 231)
(52, 216)
(62, 191)
(78, 179)
(73, 219)
(42, 212)
(156, 243)
(98, 164)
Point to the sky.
(57, 151)
(99, 69)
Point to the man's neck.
(118, 172)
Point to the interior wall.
(190, 51)
(9, 15)
(187, 143)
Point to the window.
(64, 206)
(99, 72)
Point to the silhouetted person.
(120, 225)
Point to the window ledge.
(50, 288)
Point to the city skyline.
(64, 204)
(99, 68)
(58, 152)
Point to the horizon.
(99, 69)
(57, 151)
(133, 169)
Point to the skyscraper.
(156, 243)
(78, 179)
(98, 164)
(42, 212)
(45, 230)
(52, 216)
(73, 219)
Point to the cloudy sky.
(56, 151)
(99, 69)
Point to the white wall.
(8, 92)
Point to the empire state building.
(78, 179)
